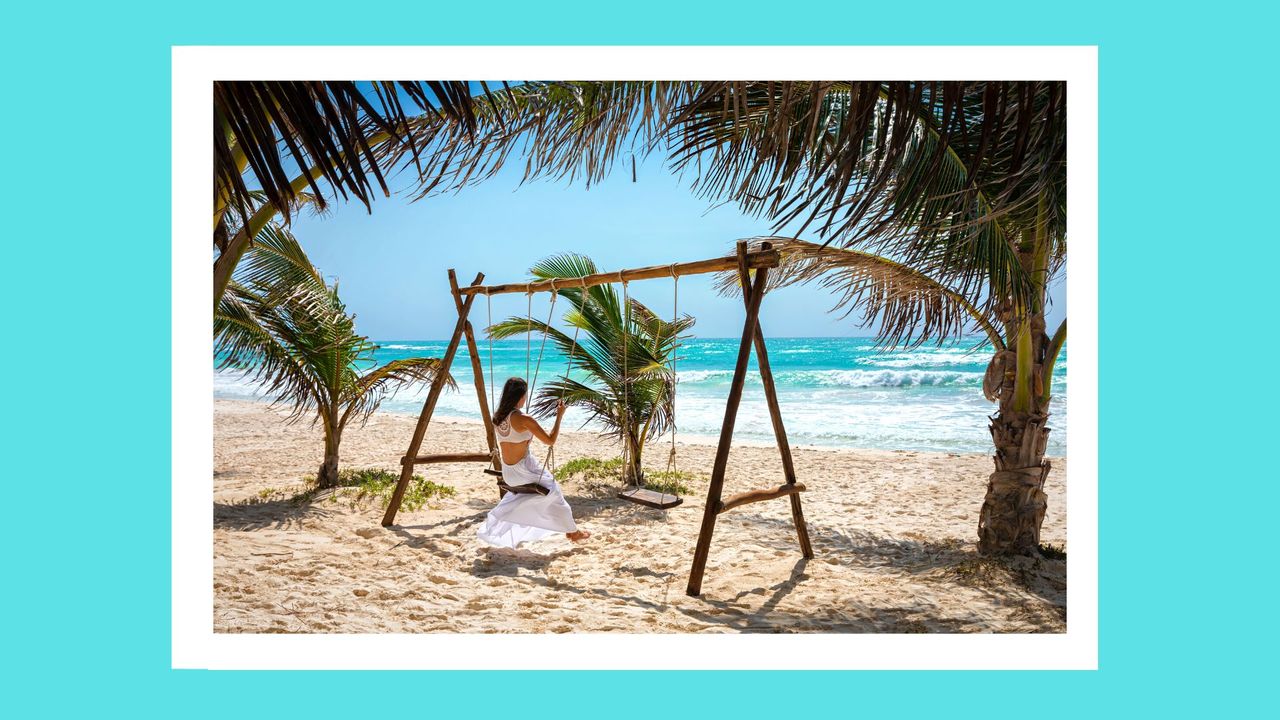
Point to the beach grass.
(595, 472)
(359, 486)
(377, 485)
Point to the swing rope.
(626, 400)
(549, 461)
(493, 400)
(675, 341)
(550, 313)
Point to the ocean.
(834, 392)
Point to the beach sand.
(893, 534)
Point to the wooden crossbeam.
(754, 496)
(755, 261)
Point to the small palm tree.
(280, 320)
(624, 352)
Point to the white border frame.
(195, 645)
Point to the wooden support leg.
(477, 375)
(429, 407)
(775, 414)
(726, 429)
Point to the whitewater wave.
(437, 348)
(884, 378)
(933, 358)
(844, 378)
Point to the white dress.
(525, 517)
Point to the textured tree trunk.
(635, 451)
(328, 475)
(1014, 507)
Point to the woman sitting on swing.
(521, 517)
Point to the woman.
(525, 517)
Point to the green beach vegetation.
(596, 472)
(280, 321)
(357, 486)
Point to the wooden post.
(726, 429)
(775, 414)
(429, 407)
(477, 375)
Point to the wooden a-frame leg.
(429, 407)
(716, 487)
(775, 415)
(477, 375)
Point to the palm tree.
(624, 351)
(281, 321)
(963, 182)
(331, 130)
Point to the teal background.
(1187, 244)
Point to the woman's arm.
(532, 426)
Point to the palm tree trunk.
(327, 476)
(635, 450)
(1014, 507)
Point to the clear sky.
(391, 264)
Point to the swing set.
(753, 290)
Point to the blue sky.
(391, 264)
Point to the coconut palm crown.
(622, 356)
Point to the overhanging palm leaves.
(622, 352)
(945, 176)
(323, 126)
(907, 306)
(287, 327)
(335, 131)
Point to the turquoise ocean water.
(835, 392)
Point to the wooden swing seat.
(650, 498)
(529, 489)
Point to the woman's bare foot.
(578, 535)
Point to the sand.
(893, 534)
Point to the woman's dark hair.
(512, 391)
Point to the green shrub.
(594, 470)
(376, 484)
(590, 469)
(671, 483)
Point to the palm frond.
(287, 327)
(321, 125)
(564, 130)
(940, 174)
(907, 306)
(368, 391)
(623, 351)
(243, 340)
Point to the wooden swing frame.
(761, 261)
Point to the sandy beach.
(893, 534)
